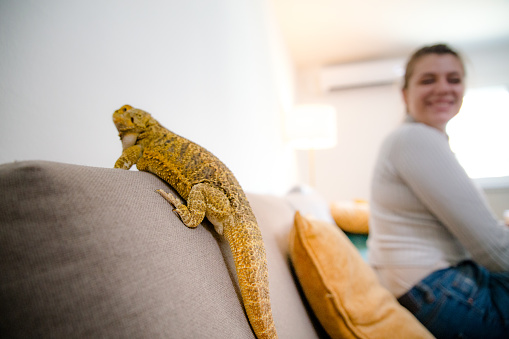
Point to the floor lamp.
(312, 127)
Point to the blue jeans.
(464, 301)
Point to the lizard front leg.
(129, 157)
(204, 200)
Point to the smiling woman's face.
(435, 89)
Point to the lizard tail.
(248, 251)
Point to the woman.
(434, 242)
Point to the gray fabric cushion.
(95, 252)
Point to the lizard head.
(130, 122)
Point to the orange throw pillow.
(342, 289)
(351, 216)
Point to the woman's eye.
(427, 81)
(454, 80)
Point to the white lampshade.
(312, 127)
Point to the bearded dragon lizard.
(211, 191)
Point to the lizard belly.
(217, 222)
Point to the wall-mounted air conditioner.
(362, 74)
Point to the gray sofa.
(95, 252)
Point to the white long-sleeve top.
(426, 213)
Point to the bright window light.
(479, 134)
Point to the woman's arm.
(424, 160)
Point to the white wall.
(366, 115)
(215, 72)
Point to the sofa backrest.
(88, 252)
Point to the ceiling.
(326, 32)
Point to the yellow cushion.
(342, 289)
(351, 216)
